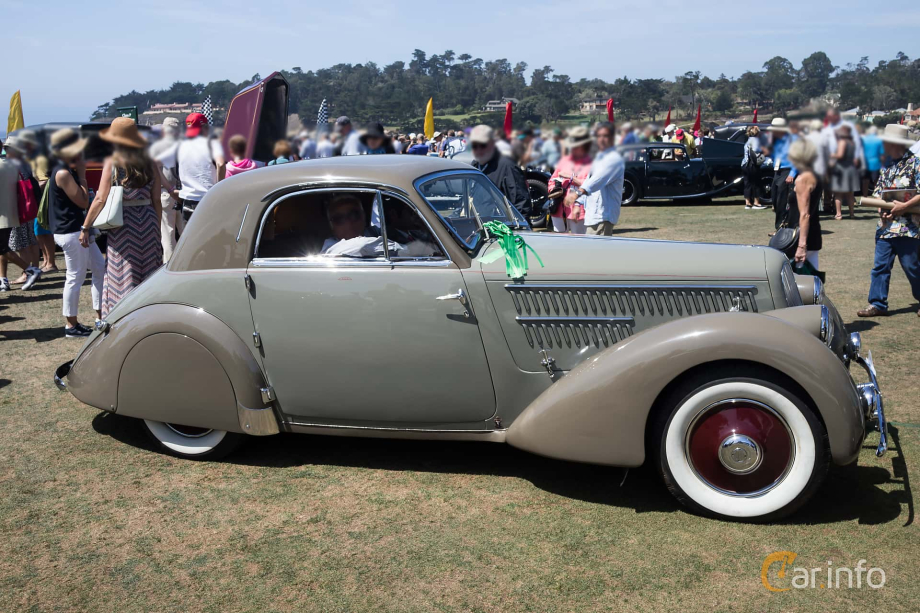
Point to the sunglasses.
(479, 145)
(351, 216)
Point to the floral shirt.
(904, 174)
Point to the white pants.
(78, 258)
(561, 224)
(169, 224)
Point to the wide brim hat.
(375, 130)
(28, 137)
(778, 125)
(123, 131)
(897, 134)
(67, 143)
(669, 128)
(13, 142)
(578, 136)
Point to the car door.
(668, 177)
(377, 340)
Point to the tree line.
(396, 94)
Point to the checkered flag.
(206, 110)
(322, 118)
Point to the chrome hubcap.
(739, 454)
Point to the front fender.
(171, 362)
(597, 413)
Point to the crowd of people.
(163, 180)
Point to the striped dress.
(134, 250)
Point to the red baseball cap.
(193, 124)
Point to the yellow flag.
(429, 119)
(15, 121)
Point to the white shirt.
(197, 169)
(605, 188)
(820, 163)
(353, 145)
(504, 147)
(308, 149)
(325, 148)
(915, 149)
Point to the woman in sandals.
(135, 249)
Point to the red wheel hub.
(741, 447)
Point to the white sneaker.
(747, 207)
(34, 275)
(4, 285)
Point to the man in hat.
(503, 173)
(375, 140)
(783, 170)
(602, 192)
(350, 143)
(682, 137)
(898, 232)
(198, 162)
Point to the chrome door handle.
(460, 296)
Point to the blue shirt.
(873, 149)
(629, 139)
(781, 153)
(605, 188)
(550, 152)
(421, 149)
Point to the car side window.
(459, 199)
(328, 225)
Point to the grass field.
(92, 518)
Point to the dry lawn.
(92, 518)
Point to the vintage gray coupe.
(362, 296)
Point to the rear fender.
(172, 362)
(597, 412)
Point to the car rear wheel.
(766, 190)
(740, 448)
(538, 195)
(191, 442)
(630, 191)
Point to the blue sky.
(67, 57)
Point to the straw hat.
(669, 128)
(67, 143)
(898, 135)
(778, 125)
(28, 137)
(578, 136)
(123, 131)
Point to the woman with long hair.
(134, 249)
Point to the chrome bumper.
(61, 373)
(871, 398)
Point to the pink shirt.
(564, 170)
(235, 168)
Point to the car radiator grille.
(605, 314)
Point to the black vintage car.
(664, 171)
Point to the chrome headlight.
(819, 291)
(854, 345)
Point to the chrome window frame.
(450, 229)
(314, 262)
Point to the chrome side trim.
(827, 326)
(310, 185)
(242, 221)
(629, 299)
(333, 263)
(818, 292)
(258, 422)
(580, 331)
(879, 416)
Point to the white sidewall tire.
(184, 445)
(792, 485)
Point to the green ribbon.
(512, 246)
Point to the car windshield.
(463, 200)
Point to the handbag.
(43, 216)
(26, 200)
(786, 240)
(112, 214)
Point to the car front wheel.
(192, 443)
(630, 192)
(741, 448)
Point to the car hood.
(593, 258)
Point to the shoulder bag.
(26, 200)
(112, 214)
(786, 240)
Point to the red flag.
(610, 110)
(667, 120)
(508, 120)
(755, 115)
(696, 124)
